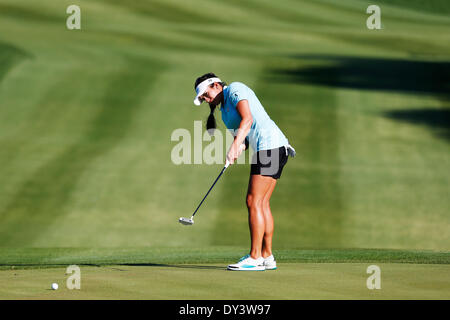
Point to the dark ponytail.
(211, 124)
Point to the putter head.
(186, 221)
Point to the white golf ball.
(54, 286)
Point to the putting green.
(212, 281)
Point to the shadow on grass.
(181, 266)
(406, 76)
(438, 120)
(113, 266)
(413, 77)
(10, 56)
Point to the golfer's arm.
(246, 123)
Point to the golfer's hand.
(234, 152)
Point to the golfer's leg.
(268, 220)
(258, 187)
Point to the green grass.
(15, 258)
(187, 273)
(212, 281)
(87, 117)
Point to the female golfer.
(245, 116)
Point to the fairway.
(212, 281)
(86, 139)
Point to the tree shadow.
(436, 119)
(407, 76)
(10, 56)
(379, 74)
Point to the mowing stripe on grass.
(42, 198)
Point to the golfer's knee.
(253, 202)
(266, 204)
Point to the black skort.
(269, 162)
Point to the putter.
(190, 221)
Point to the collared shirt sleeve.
(237, 94)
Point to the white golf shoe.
(247, 263)
(270, 263)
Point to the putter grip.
(243, 147)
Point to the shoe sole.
(247, 269)
(272, 266)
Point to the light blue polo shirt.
(264, 133)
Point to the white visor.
(201, 88)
